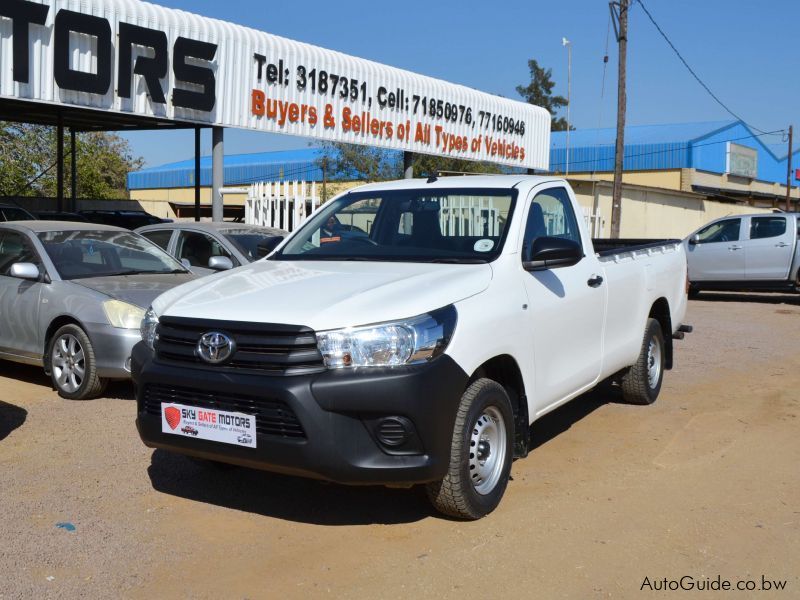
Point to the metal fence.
(282, 205)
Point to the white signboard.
(209, 424)
(742, 161)
(132, 57)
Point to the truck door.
(718, 252)
(566, 305)
(19, 299)
(770, 249)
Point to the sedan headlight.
(148, 327)
(411, 341)
(123, 315)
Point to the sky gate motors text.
(26, 16)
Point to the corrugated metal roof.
(239, 169)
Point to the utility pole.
(619, 15)
(789, 174)
(568, 45)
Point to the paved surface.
(703, 483)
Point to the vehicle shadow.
(11, 418)
(284, 497)
(561, 419)
(26, 373)
(759, 298)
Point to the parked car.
(72, 297)
(14, 213)
(421, 351)
(128, 219)
(189, 430)
(757, 252)
(205, 246)
(61, 216)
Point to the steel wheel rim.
(487, 450)
(653, 363)
(68, 363)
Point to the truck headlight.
(411, 341)
(123, 315)
(148, 327)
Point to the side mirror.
(552, 253)
(220, 263)
(268, 245)
(25, 270)
(695, 239)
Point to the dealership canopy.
(118, 64)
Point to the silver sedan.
(206, 247)
(72, 297)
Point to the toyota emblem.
(215, 347)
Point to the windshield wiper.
(457, 261)
(146, 272)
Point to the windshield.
(446, 225)
(16, 214)
(247, 240)
(80, 254)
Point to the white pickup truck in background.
(757, 252)
(409, 333)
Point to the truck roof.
(462, 181)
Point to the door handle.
(781, 245)
(734, 247)
(595, 281)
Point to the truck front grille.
(273, 417)
(272, 348)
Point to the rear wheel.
(73, 368)
(480, 454)
(642, 383)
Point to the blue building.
(725, 160)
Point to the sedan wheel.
(72, 364)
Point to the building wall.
(652, 212)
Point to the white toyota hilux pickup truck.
(409, 333)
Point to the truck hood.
(324, 295)
(140, 290)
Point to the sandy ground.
(704, 483)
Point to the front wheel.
(480, 454)
(73, 368)
(642, 383)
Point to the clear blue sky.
(744, 50)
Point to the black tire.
(73, 368)
(484, 408)
(642, 382)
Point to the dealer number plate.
(209, 424)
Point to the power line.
(667, 150)
(696, 76)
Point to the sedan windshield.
(446, 225)
(81, 254)
(247, 240)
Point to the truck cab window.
(767, 227)
(721, 231)
(551, 215)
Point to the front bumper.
(338, 411)
(112, 349)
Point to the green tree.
(365, 163)
(28, 162)
(540, 92)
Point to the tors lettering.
(195, 84)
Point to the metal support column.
(408, 165)
(196, 173)
(60, 163)
(217, 173)
(73, 161)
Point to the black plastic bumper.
(338, 411)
